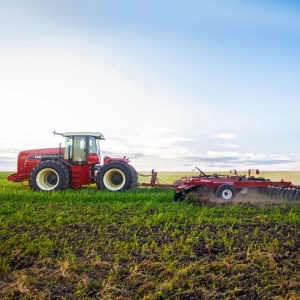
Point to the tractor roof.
(97, 135)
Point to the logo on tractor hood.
(45, 156)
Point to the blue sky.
(171, 84)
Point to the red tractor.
(76, 164)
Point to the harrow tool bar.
(227, 186)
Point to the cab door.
(79, 152)
(93, 151)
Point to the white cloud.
(229, 146)
(215, 154)
(225, 136)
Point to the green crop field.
(90, 244)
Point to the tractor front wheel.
(134, 174)
(115, 176)
(226, 192)
(49, 175)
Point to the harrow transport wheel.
(115, 176)
(49, 175)
(225, 191)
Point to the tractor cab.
(82, 147)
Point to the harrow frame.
(226, 186)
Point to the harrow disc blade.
(269, 191)
(297, 195)
(286, 194)
(261, 190)
(279, 193)
(290, 194)
(274, 192)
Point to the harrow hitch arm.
(153, 182)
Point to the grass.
(90, 244)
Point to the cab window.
(68, 148)
(79, 149)
(94, 145)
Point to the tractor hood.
(28, 158)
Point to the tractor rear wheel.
(115, 176)
(226, 192)
(49, 175)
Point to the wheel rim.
(114, 179)
(244, 190)
(227, 194)
(47, 179)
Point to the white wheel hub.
(227, 194)
(47, 179)
(114, 179)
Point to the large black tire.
(49, 175)
(115, 176)
(134, 177)
(226, 192)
